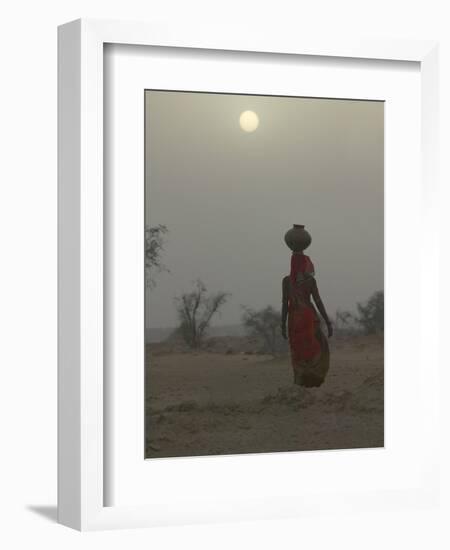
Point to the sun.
(249, 121)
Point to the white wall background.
(28, 267)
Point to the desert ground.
(222, 401)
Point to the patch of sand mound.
(207, 403)
(296, 397)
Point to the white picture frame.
(81, 359)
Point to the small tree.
(154, 246)
(371, 314)
(344, 322)
(264, 324)
(195, 311)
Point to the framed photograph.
(242, 331)
(236, 353)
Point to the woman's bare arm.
(284, 306)
(321, 307)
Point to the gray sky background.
(227, 197)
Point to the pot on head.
(297, 238)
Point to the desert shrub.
(196, 310)
(264, 324)
(371, 313)
(154, 246)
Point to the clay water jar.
(297, 238)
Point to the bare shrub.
(195, 312)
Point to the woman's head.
(301, 268)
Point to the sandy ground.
(210, 403)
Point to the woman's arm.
(284, 306)
(321, 307)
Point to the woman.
(310, 354)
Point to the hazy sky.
(228, 196)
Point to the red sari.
(310, 355)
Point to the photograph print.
(264, 274)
